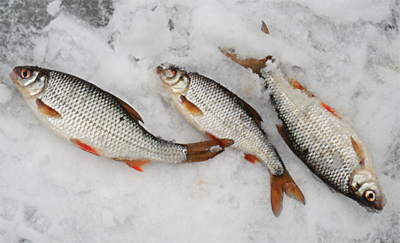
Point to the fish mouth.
(14, 75)
(379, 204)
(160, 70)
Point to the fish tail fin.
(255, 64)
(205, 150)
(283, 183)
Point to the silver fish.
(98, 122)
(217, 112)
(319, 136)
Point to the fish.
(98, 122)
(220, 114)
(318, 134)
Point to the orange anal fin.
(283, 183)
(189, 106)
(331, 110)
(136, 164)
(255, 114)
(264, 28)
(46, 110)
(255, 64)
(201, 151)
(359, 150)
(84, 146)
(251, 158)
(130, 110)
(221, 142)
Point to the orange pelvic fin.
(46, 110)
(130, 110)
(251, 158)
(221, 142)
(264, 28)
(296, 85)
(84, 146)
(192, 108)
(359, 150)
(331, 110)
(136, 164)
(283, 183)
(205, 150)
(254, 64)
(254, 113)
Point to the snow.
(5, 94)
(345, 52)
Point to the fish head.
(364, 186)
(174, 78)
(31, 81)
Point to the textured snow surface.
(345, 52)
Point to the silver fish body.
(214, 110)
(94, 120)
(318, 135)
(325, 142)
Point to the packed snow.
(345, 52)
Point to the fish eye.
(25, 73)
(370, 195)
(171, 73)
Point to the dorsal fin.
(130, 110)
(255, 114)
(264, 28)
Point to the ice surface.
(346, 52)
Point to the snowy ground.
(347, 53)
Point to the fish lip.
(159, 70)
(381, 203)
(14, 75)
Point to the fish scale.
(225, 116)
(77, 102)
(217, 112)
(308, 122)
(318, 135)
(98, 122)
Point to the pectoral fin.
(130, 110)
(359, 150)
(189, 106)
(46, 110)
